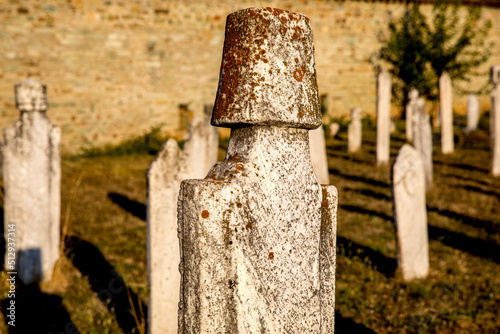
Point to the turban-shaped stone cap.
(267, 73)
(31, 95)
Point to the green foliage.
(148, 143)
(418, 52)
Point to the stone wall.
(114, 69)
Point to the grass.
(102, 274)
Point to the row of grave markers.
(249, 231)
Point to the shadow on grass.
(463, 166)
(385, 265)
(482, 191)
(468, 179)
(353, 208)
(336, 172)
(37, 312)
(349, 326)
(487, 225)
(105, 281)
(350, 157)
(478, 247)
(370, 193)
(138, 209)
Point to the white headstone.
(422, 139)
(354, 131)
(32, 185)
(446, 112)
(319, 158)
(410, 215)
(383, 117)
(334, 129)
(473, 112)
(165, 174)
(258, 234)
(410, 107)
(495, 120)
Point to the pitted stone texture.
(422, 139)
(410, 110)
(165, 174)
(267, 73)
(319, 158)
(32, 185)
(354, 131)
(31, 95)
(473, 112)
(446, 114)
(410, 215)
(383, 116)
(258, 240)
(495, 130)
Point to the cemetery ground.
(103, 267)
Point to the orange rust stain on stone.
(300, 114)
(234, 157)
(331, 244)
(298, 74)
(248, 225)
(325, 204)
(205, 214)
(239, 167)
(271, 255)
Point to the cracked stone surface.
(257, 235)
(32, 184)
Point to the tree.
(418, 53)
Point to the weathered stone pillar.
(258, 233)
(422, 139)
(354, 131)
(410, 215)
(32, 185)
(495, 120)
(319, 158)
(473, 111)
(410, 107)
(446, 112)
(383, 117)
(165, 174)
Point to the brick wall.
(116, 68)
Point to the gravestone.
(473, 111)
(354, 131)
(446, 112)
(165, 174)
(32, 185)
(383, 117)
(319, 158)
(410, 215)
(334, 129)
(410, 107)
(495, 120)
(422, 139)
(258, 233)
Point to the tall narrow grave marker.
(32, 184)
(354, 131)
(495, 120)
(473, 111)
(410, 111)
(446, 112)
(422, 139)
(410, 215)
(319, 158)
(258, 234)
(383, 117)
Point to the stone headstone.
(446, 112)
(334, 129)
(383, 117)
(250, 231)
(495, 120)
(354, 131)
(165, 174)
(319, 158)
(32, 185)
(410, 107)
(410, 215)
(473, 111)
(422, 139)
